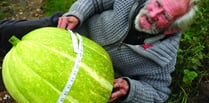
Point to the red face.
(157, 15)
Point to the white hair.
(183, 22)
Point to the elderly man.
(141, 36)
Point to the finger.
(70, 26)
(72, 23)
(59, 22)
(118, 92)
(118, 80)
(62, 23)
(116, 85)
(113, 97)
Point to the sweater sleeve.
(149, 89)
(150, 78)
(148, 83)
(83, 9)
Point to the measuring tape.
(78, 48)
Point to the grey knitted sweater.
(147, 70)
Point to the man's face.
(157, 15)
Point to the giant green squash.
(43, 67)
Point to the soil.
(23, 9)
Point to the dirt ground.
(23, 9)
(18, 9)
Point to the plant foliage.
(192, 62)
(52, 6)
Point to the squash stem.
(14, 40)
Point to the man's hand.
(120, 89)
(69, 22)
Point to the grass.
(52, 6)
(2, 5)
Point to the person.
(141, 37)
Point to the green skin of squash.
(37, 69)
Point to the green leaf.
(189, 76)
